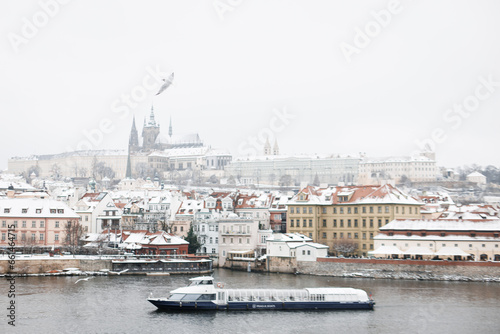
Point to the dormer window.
(52, 210)
(60, 210)
(38, 210)
(25, 210)
(6, 210)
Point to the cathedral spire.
(133, 141)
(267, 147)
(276, 149)
(170, 128)
(152, 118)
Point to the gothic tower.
(133, 141)
(267, 147)
(149, 132)
(276, 149)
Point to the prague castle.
(159, 155)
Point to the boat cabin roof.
(202, 278)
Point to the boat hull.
(167, 305)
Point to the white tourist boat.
(204, 294)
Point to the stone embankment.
(391, 269)
(30, 266)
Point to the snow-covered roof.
(476, 174)
(164, 238)
(36, 208)
(348, 195)
(442, 225)
(289, 237)
(386, 250)
(308, 244)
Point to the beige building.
(238, 238)
(34, 222)
(348, 217)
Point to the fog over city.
(388, 78)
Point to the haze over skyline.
(328, 77)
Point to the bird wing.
(166, 83)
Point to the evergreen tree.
(316, 180)
(193, 241)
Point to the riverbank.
(88, 265)
(403, 269)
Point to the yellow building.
(347, 218)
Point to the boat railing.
(267, 295)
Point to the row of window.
(443, 234)
(349, 235)
(231, 240)
(442, 245)
(348, 224)
(25, 210)
(232, 229)
(202, 228)
(350, 210)
(203, 240)
(33, 224)
(41, 237)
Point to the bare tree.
(345, 246)
(55, 171)
(73, 235)
(29, 243)
(285, 180)
(83, 172)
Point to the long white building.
(271, 169)
(421, 168)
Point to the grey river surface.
(117, 304)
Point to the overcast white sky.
(237, 61)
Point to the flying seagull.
(84, 279)
(118, 272)
(166, 82)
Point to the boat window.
(176, 296)
(202, 282)
(192, 297)
(207, 297)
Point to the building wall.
(310, 253)
(488, 246)
(301, 169)
(327, 224)
(375, 172)
(236, 234)
(47, 231)
(74, 165)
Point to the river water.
(117, 304)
